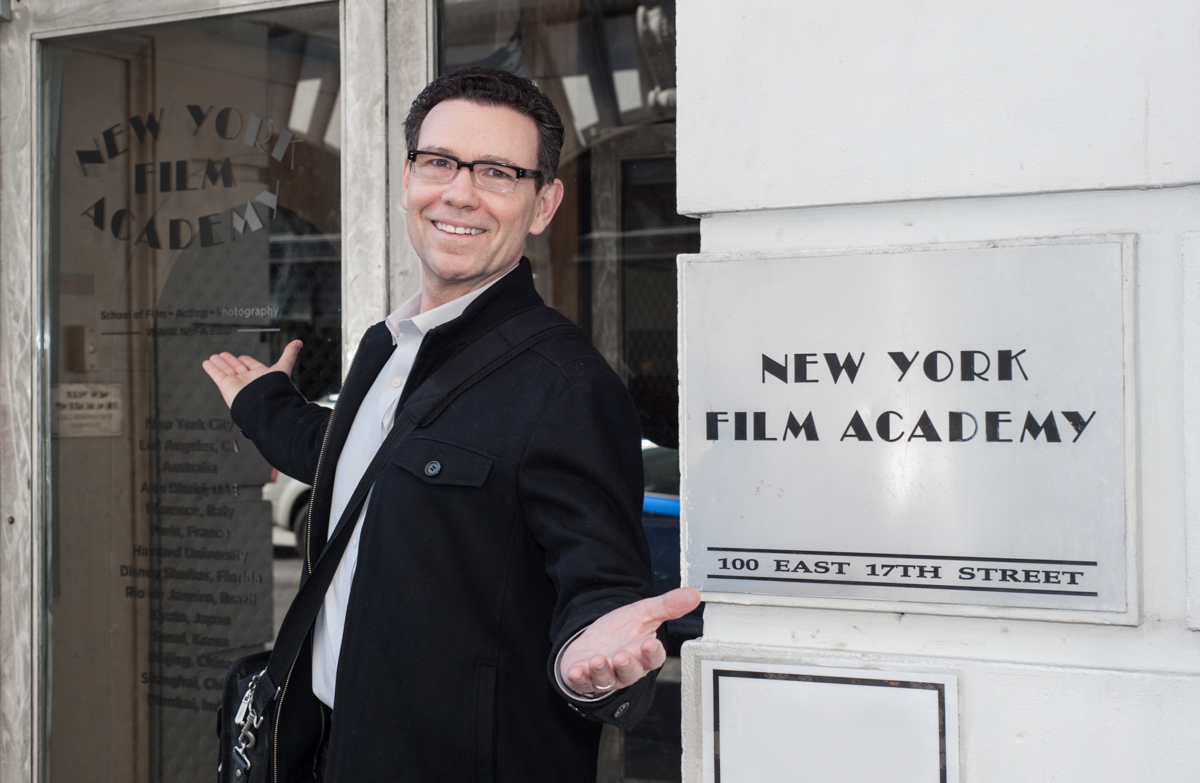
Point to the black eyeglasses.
(486, 174)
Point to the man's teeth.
(458, 229)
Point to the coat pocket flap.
(436, 462)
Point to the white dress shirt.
(371, 425)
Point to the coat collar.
(510, 295)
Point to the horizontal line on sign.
(895, 584)
(904, 557)
(120, 333)
(276, 329)
(868, 681)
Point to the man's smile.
(452, 229)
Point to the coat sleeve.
(286, 429)
(580, 481)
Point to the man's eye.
(440, 163)
(497, 173)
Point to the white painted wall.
(1024, 702)
(931, 122)
(854, 101)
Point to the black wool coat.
(469, 581)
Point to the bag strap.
(474, 363)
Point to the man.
(493, 603)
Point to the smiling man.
(490, 611)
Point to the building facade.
(770, 194)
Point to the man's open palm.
(232, 373)
(618, 649)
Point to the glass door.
(191, 188)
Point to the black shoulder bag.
(247, 716)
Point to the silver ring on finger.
(604, 688)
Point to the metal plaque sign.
(944, 425)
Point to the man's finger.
(214, 372)
(600, 672)
(652, 654)
(252, 364)
(233, 363)
(672, 604)
(577, 679)
(219, 362)
(288, 360)
(628, 669)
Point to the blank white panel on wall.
(855, 101)
(784, 723)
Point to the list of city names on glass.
(191, 182)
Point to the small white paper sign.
(765, 722)
(88, 410)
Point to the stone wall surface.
(844, 126)
(797, 104)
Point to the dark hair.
(494, 87)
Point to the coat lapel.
(373, 353)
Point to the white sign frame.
(837, 684)
(1130, 616)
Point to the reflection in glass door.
(191, 182)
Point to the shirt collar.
(409, 318)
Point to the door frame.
(387, 51)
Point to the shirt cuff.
(562, 685)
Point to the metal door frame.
(387, 56)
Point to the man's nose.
(461, 191)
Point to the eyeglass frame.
(470, 165)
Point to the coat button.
(621, 710)
(433, 468)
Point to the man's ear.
(404, 186)
(548, 200)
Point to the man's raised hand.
(232, 373)
(618, 649)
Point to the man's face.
(496, 223)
